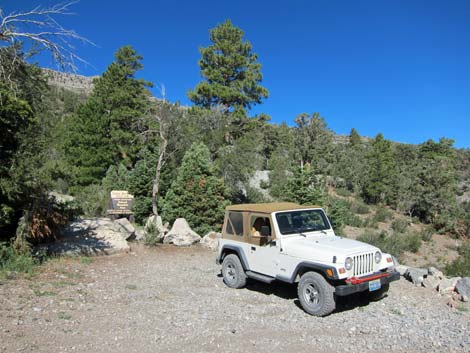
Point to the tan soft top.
(268, 207)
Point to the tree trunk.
(156, 181)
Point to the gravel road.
(168, 299)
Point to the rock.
(463, 288)
(181, 234)
(402, 269)
(431, 282)
(211, 240)
(140, 234)
(447, 285)
(435, 272)
(166, 227)
(124, 227)
(61, 198)
(152, 221)
(416, 275)
(92, 236)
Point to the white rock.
(416, 275)
(402, 269)
(181, 234)
(140, 234)
(211, 240)
(125, 227)
(90, 236)
(447, 285)
(431, 282)
(463, 288)
(435, 272)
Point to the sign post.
(120, 204)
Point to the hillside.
(69, 81)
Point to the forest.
(192, 161)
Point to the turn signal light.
(389, 259)
(329, 272)
(342, 270)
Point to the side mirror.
(265, 232)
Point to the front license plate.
(374, 285)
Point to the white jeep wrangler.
(296, 244)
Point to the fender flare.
(305, 265)
(229, 249)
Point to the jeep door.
(263, 253)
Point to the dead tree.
(43, 32)
(167, 118)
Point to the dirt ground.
(169, 299)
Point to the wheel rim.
(230, 273)
(311, 295)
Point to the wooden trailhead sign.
(120, 203)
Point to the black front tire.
(316, 295)
(232, 271)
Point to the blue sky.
(397, 67)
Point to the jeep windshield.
(302, 221)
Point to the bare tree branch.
(38, 27)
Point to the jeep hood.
(323, 247)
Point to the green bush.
(93, 200)
(264, 184)
(461, 265)
(395, 243)
(359, 208)
(343, 192)
(12, 261)
(400, 225)
(426, 233)
(151, 235)
(340, 215)
(370, 222)
(142, 208)
(382, 214)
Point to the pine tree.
(381, 175)
(304, 187)
(354, 137)
(103, 131)
(231, 72)
(314, 141)
(437, 183)
(196, 194)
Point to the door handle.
(253, 248)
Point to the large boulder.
(435, 272)
(211, 240)
(416, 275)
(431, 282)
(402, 269)
(91, 236)
(124, 227)
(181, 234)
(463, 288)
(447, 285)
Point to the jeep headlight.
(348, 263)
(378, 257)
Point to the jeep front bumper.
(362, 284)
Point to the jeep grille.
(363, 264)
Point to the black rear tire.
(316, 295)
(232, 271)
